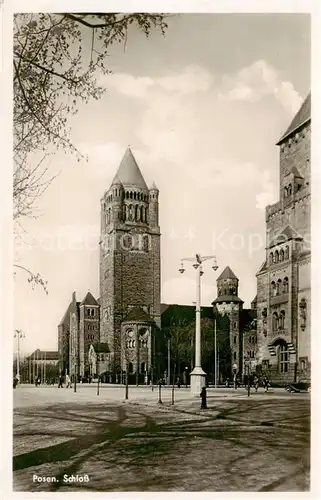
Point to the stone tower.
(228, 303)
(129, 262)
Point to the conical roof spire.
(129, 173)
(227, 274)
(153, 187)
(116, 181)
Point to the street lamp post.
(198, 374)
(18, 335)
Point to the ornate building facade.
(283, 281)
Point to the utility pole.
(169, 361)
(215, 354)
(18, 335)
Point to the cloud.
(258, 80)
(129, 85)
(190, 80)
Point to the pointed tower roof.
(129, 173)
(89, 300)
(153, 186)
(66, 318)
(116, 181)
(302, 116)
(227, 274)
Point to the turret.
(153, 206)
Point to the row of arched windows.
(132, 213)
(135, 213)
(279, 287)
(279, 256)
(133, 195)
(278, 321)
(130, 344)
(227, 291)
(252, 339)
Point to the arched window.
(275, 321)
(283, 358)
(234, 324)
(131, 195)
(279, 287)
(142, 214)
(130, 212)
(145, 243)
(133, 343)
(281, 255)
(234, 339)
(234, 356)
(302, 365)
(146, 215)
(127, 195)
(276, 257)
(136, 213)
(271, 258)
(285, 285)
(281, 320)
(287, 252)
(273, 289)
(135, 195)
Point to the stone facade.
(229, 304)
(129, 256)
(283, 282)
(129, 300)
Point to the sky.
(202, 109)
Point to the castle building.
(118, 331)
(283, 281)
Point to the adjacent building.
(284, 281)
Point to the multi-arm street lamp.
(198, 374)
(18, 334)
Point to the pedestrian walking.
(178, 383)
(61, 380)
(235, 381)
(227, 383)
(256, 383)
(68, 381)
(266, 384)
(203, 396)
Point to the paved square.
(90, 442)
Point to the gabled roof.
(89, 300)
(302, 117)
(289, 233)
(138, 314)
(227, 298)
(227, 274)
(263, 267)
(129, 173)
(295, 172)
(66, 318)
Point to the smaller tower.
(228, 303)
(153, 206)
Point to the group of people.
(61, 381)
(250, 381)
